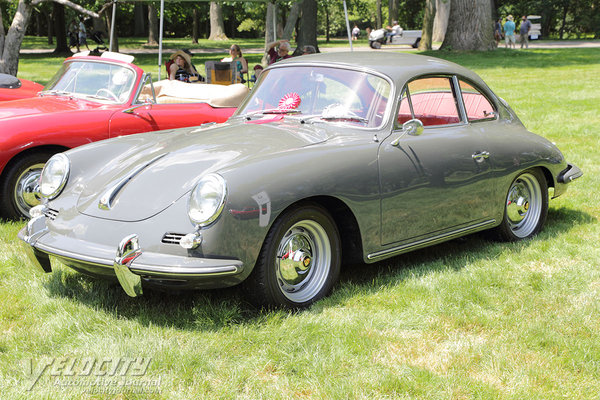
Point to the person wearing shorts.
(509, 32)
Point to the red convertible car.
(93, 98)
(12, 88)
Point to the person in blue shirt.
(509, 32)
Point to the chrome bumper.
(130, 264)
(569, 174)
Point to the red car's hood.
(44, 105)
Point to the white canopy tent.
(162, 16)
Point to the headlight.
(54, 176)
(207, 199)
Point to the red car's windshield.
(102, 81)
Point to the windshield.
(323, 93)
(93, 80)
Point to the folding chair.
(221, 73)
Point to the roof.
(400, 67)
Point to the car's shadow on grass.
(217, 309)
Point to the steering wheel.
(110, 94)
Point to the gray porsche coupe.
(332, 157)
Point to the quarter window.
(477, 106)
(430, 100)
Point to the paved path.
(534, 44)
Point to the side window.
(432, 101)
(477, 106)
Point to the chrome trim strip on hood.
(106, 201)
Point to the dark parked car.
(332, 157)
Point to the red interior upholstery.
(431, 108)
(476, 106)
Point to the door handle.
(480, 156)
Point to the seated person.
(281, 53)
(236, 55)
(308, 49)
(257, 71)
(393, 31)
(182, 69)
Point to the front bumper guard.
(128, 250)
(128, 273)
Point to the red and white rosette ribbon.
(290, 101)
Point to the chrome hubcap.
(27, 193)
(303, 261)
(523, 205)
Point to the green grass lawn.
(466, 319)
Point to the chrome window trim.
(450, 78)
(493, 102)
(390, 102)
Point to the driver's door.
(438, 181)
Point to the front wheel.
(19, 187)
(300, 259)
(526, 207)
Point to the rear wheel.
(375, 44)
(19, 187)
(526, 207)
(300, 259)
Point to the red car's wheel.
(19, 187)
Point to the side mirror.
(414, 127)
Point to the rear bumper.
(145, 269)
(569, 174)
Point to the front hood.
(148, 172)
(43, 105)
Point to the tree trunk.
(139, 20)
(58, 14)
(9, 63)
(1, 34)
(195, 26)
(50, 28)
(292, 19)
(440, 23)
(38, 24)
(270, 29)
(152, 25)
(326, 23)
(392, 11)
(564, 20)
(379, 17)
(428, 19)
(217, 28)
(470, 26)
(307, 34)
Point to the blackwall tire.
(19, 185)
(299, 262)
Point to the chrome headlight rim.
(216, 178)
(60, 157)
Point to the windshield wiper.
(351, 118)
(55, 93)
(272, 111)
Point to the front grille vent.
(172, 238)
(51, 214)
